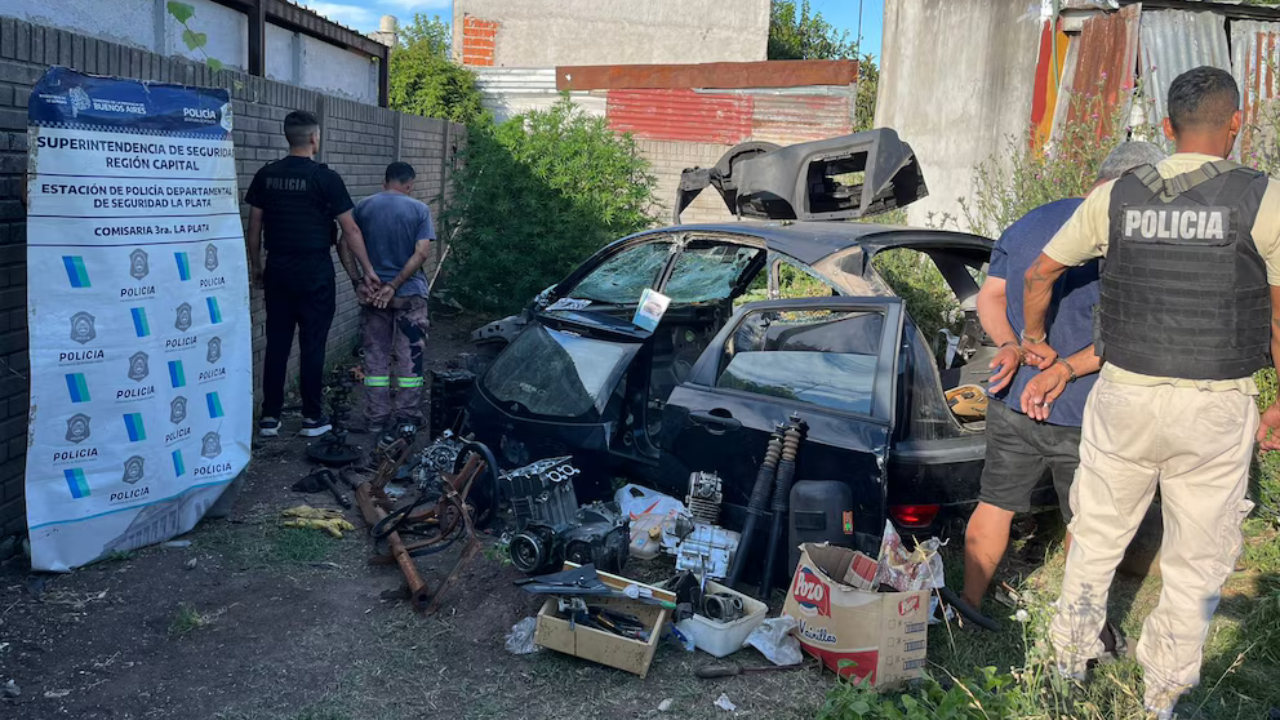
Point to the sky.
(363, 14)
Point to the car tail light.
(914, 516)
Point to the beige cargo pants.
(1196, 445)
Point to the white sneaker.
(268, 427)
(316, 427)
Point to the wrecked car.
(737, 352)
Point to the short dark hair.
(401, 172)
(298, 127)
(1203, 97)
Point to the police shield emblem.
(78, 428)
(133, 470)
(215, 350)
(138, 266)
(211, 446)
(183, 321)
(138, 370)
(178, 410)
(82, 328)
(211, 257)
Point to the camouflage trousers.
(395, 343)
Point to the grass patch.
(978, 674)
(186, 619)
(265, 545)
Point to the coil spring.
(774, 450)
(790, 443)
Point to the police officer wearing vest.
(294, 202)
(1189, 297)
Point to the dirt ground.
(254, 621)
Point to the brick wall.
(479, 40)
(358, 141)
(669, 158)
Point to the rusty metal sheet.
(681, 115)
(786, 118)
(719, 76)
(1103, 80)
(1254, 60)
(1173, 42)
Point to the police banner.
(138, 303)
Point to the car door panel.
(726, 430)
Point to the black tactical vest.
(1184, 290)
(295, 213)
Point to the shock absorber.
(781, 499)
(758, 502)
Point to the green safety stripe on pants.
(377, 381)
(409, 382)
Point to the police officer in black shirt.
(295, 201)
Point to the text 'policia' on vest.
(1184, 290)
(299, 221)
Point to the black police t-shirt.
(299, 199)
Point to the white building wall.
(147, 24)
(128, 22)
(337, 72)
(282, 55)
(609, 32)
(227, 31)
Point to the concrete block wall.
(668, 159)
(358, 141)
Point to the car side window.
(824, 357)
(794, 281)
(621, 279)
(706, 271)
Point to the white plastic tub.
(721, 639)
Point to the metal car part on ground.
(551, 528)
(442, 516)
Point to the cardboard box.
(553, 630)
(862, 572)
(879, 636)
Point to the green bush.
(534, 197)
(925, 293)
(432, 86)
(423, 81)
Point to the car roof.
(810, 242)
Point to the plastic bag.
(919, 569)
(774, 639)
(520, 639)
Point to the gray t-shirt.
(392, 223)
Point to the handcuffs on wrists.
(1070, 370)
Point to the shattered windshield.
(620, 279)
(702, 274)
(549, 372)
(824, 357)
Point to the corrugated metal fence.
(1112, 52)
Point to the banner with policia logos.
(138, 302)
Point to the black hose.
(966, 610)
(756, 505)
(781, 501)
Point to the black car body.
(704, 390)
